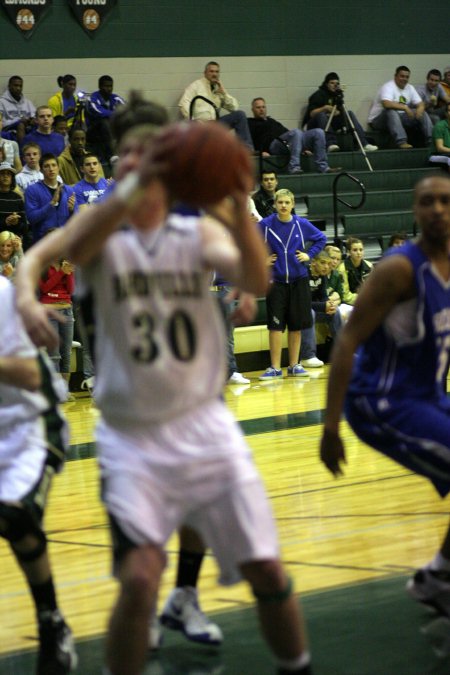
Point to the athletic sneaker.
(432, 587)
(182, 612)
(333, 148)
(370, 147)
(238, 378)
(88, 385)
(297, 371)
(57, 655)
(313, 362)
(271, 374)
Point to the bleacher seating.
(387, 209)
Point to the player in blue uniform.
(394, 388)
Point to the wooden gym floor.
(349, 544)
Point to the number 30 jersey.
(160, 344)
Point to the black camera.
(338, 97)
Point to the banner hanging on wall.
(26, 14)
(91, 14)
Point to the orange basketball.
(205, 162)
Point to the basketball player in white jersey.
(33, 440)
(170, 451)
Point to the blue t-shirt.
(86, 192)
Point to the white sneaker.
(182, 612)
(313, 362)
(333, 148)
(432, 587)
(370, 148)
(238, 378)
(88, 385)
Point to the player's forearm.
(87, 231)
(20, 372)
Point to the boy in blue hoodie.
(292, 242)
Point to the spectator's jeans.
(237, 120)
(397, 123)
(61, 354)
(227, 308)
(308, 347)
(297, 141)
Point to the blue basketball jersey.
(408, 355)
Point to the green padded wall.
(152, 28)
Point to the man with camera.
(329, 100)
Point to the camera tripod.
(351, 126)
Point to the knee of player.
(268, 580)
(24, 534)
(141, 573)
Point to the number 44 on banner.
(25, 18)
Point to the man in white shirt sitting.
(399, 108)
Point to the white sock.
(440, 563)
(295, 664)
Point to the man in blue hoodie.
(292, 242)
(48, 203)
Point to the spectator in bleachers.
(64, 102)
(10, 149)
(446, 80)
(271, 137)
(11, 252)
(335, 288)
(31, 171)
(48, 203)
(12, 212)
(49, 141)
(56, 287)
(208, 97)
(328, 99)
(434, 96)
(398, 109)
(335, 282)
(18, 111)
(92, 185)
(440, 153)
(397, 239)
(324, 310)
(72, 158)
(291, 241)
(60, 127)
(264, 198)
(353, 270)
(100, 106)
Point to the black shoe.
(57, 655)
